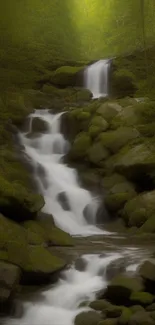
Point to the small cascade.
(96, 78)
(64, 198)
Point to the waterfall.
(96, 78)
(64, 198)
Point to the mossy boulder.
(99, 305)
(136, 308)
(87, 318)
(9, 280)
(115, 140)
(121, 287)
(123, 83)
(139, 209)
(49, 233)
(134, 161)
(100, 122)
(97, 153)
(65, 76)
(147, 271)
(21, 200)
(140, 318)
(25, 248)
(80, 146)
(142, 298)
(148, 226)
(109, 110)
(117, 191)
(125, 316)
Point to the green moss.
(139, 209)
(80, 145)
(142, 298)
(97, 153)
(125, 317)
(123, 83)
(49, 233)
(109, 110)
(115, 140)
(100, 305)
(87, 318)
(100, 122)
(94, 131)
(149, 225)
(65, 76)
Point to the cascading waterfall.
(59, 304)
(96, 78)
(58, 180)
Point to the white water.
(96, 78)
(46, 151)
(59, 305)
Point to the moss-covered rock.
(125, 316)
(80, 146)
(123, 83)
(121, 287)
(115, 140)
(134, 160)
(38, 126)
(148, 226)
(151, 307)
(49, 233)
(141, 318)
(21, 200)
(109, 110)
(100, 122)
(24, 247)
(136, 308)
(139, 209)
(147, 271)
(97, 153)
(65, 76)
(142, 298)
(117, 191)
(87, 318)
(100, 305)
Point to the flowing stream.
(96, 78)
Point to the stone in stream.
(121, 288)
(108, 321)
(115, 268)
(80, 264)
(63, 200)
(88, 318)
(38, 125)
(142, 298)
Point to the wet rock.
(63, 200)
(121, 287)
(115, 268)
(9, 279)
(113, 311)
(88, 318)
(38, 125)
(141, 318)
(81, 264)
